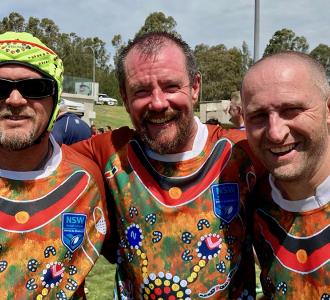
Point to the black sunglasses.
(32, 88)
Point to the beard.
(16, 139)
(164, 142)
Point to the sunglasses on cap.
(32, 88)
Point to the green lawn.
(100, 281)
(115, 116)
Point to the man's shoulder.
(117, 138)
(71, 156)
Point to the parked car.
(73, 106)
(105, 99)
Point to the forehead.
(15, 71)
(275, 80)
(169, 56)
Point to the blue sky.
(228, 22)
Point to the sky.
(211, 22)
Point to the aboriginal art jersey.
(52, 225)
(292, 241)
(181, 218)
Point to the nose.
(159, 101)
(277, 129)
(15, 98)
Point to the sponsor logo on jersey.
(225, 197)
(73, 230)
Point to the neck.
(30, 159)
(301, 188)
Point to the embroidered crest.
(73, 230)
(225, 198)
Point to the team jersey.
(181, 218)
(292, 241)
(52, 225)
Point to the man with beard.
(177, 186)
(52, 200)
(286, 110)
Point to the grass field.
(115, 116)
(101, 279)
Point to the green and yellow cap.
(25, 49)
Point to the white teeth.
(282, 149)
(159, 121)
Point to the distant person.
(69, 128)
(235, 110)
(93, 130)
(52, 201)
(178, 187)
(212, 121)
(108, 128)
(100, 130)
(286, 104)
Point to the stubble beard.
(17, 141)
(311, 162)
(162, 145)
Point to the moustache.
(168, 114)
(15, 112)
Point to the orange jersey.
(182, 224)
(293, 247)
(52, 228)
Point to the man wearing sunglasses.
(53, 217)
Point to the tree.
(14, 22)
(157, 21)
(221, 71)
(322, 54)
(286, 39)
(74, 50)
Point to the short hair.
(318, 76)
(212, 121)
(235, 98)
(149, 44)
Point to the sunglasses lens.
(5, 88)
(36, 88)
(33, 88)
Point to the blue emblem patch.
(73, 230)
(225, 198)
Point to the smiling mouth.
(282, 150)
(161, 121)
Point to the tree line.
(222, 68)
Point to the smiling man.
(177, 186)
(286, 110)
(52, 201)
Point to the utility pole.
(94, 66)
(256, 30)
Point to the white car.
(105, 99)
(73, 106)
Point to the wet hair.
(318, 73)
(149, 45)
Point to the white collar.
(50, 166)
(321, 198)
(198, 146)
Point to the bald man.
(285, 101)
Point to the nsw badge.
(73, 230)
(225, 198)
